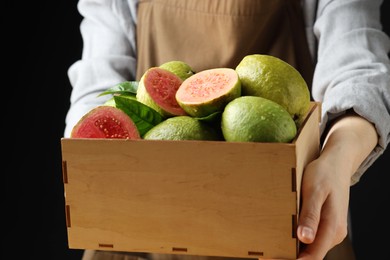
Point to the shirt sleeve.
(108, 55)
(352, 70)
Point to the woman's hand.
(326, 185)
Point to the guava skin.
(179, 68)
(272, 78)
(256, 119)
(182, 128)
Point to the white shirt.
(345, 38)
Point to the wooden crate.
(208, 198)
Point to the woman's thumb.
(309, 219)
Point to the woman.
(338, 46)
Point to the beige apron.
(209, 34)
(218, 33)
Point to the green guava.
(272, 78)
(208, 91)
(157, 89)
(105, 122)
(256, 119)
(182, 128)
(179, 68)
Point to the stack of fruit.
(264, 99)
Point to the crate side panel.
(212, 198)
(308, 143)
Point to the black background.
(40, 41)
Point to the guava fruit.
(182, 128)
(208, 91)
(179, 68)
(256, 119)
(272, 78)
(105, 122)
(157, 89)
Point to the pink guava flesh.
(206, 85)
(105, 122)
(162, 86)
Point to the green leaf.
(143, 116)
(123, 88)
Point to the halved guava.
(157, 89)
(105, 122)
(208, 91)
